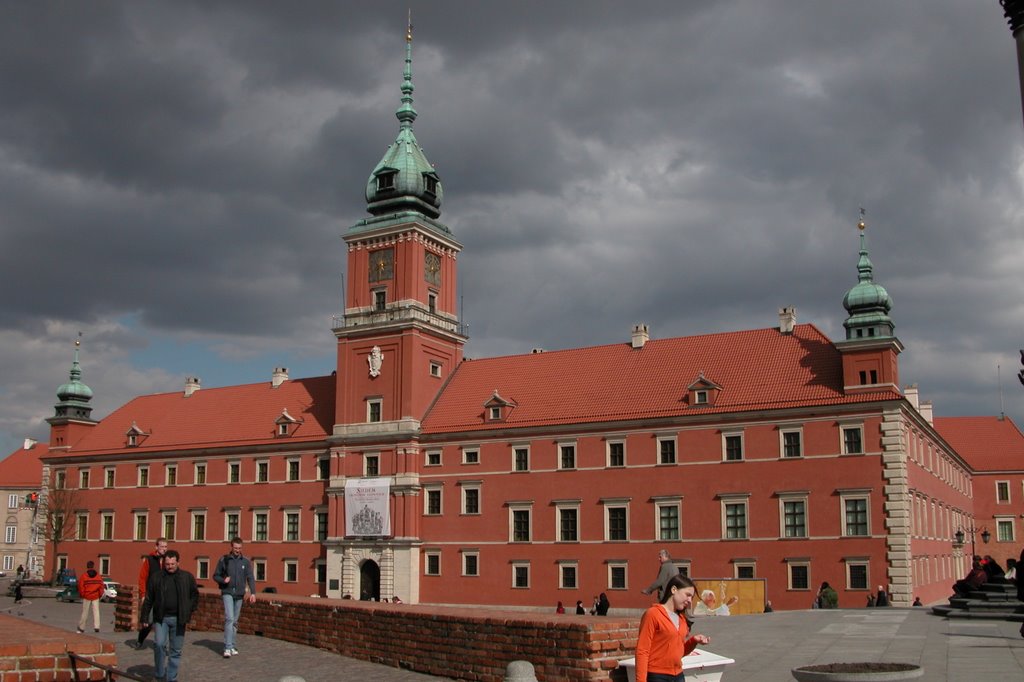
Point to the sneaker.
(95, 629)
(227, 653)
(80, 631)
(234, 652)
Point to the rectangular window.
(321, 526)
(470, 500)
(203, 569)
(371, 465)
(791, 444)
(521, 459)
(262, 472)
(855, 516)
(60, 480)
(744, 570)
(794, 518)
(141, 522)
(259, 569)
(1002, 492)
(471, 456)
(666, 450)
(521, 576)
(291, 571)
(568, 524)
(171, 475)
(1004, 530)
(567, 457)
(852, 440)
(107, 526)
(200, 474)
(234, 472)
(616, 454)
(104, 565)
(321, 572)
(291, 526)
(432, 563)
(109, 478)
(434, 458)
(198, 526)
(11, 535)
(616, 576)
(374, 410)
(735, 520)
(799, 576)
(668, 521)
(470, 564)
(323, 469)
(82, 527)
(231, 520)
(13, 500)
(435, 369)
(380, 300)
(293, 470)
(495, 413)
(169, 524)
(617, 525)
(143, 477)
(8, 562)
(857, 575)
(567, 576)
(432, 502)
(83, 478)
(260, 526)
(521, 525)
(733, 445)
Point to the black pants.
(663, 677)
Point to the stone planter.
(857, 672)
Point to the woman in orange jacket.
(662, 641)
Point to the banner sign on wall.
(367, 506)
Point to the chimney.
(535, 351)
(279, 376)
(29, 443)
(926, 412)
(787, 319)
(913, 396)
(640, 335)
(191, 385)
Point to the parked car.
(110, 590)
(69, 593)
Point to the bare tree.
(57, 508)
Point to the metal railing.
(110, 673)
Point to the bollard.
(520, 671)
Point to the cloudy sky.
(175, 178)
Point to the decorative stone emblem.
(375, 360)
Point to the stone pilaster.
(897, 507)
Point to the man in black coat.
(171, 596)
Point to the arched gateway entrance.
(369, 581)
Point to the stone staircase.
(995, 601)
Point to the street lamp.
(958, 538)
(1014, 12)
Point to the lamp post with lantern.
(959, 536)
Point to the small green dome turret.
(404, 180)
(74, 396)
(867, 303)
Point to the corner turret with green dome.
(867, 303)
(74, 396)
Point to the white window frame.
(238, 478)
(11, 534)
(726, 435)
(202, 568)
(790, 564)
(167, 475)
(321, 524)
(435, 368)
(84, 478)
(439, 454)
(476, 486)
(465, 555)
(854, 495)
(13, 501)
(793, 497)
(142, 476)
(516, 448)
(858, 561)
(568, 564)
(79, 517)
(195, 516)
(260, 464)
(741, 499)
(256, 513)
(135, 525)
(8, 562)
(104, 535)
(494, 413)
(520, 507)
(368, 459)
(1001, 487)
(525, 565)
(560, 447)
(298, 524)
(675, 450)
(562, 506)
(849, 426)
(609, 504)
(293, 566)
(197, 469)
(427, 556)
(259, 570)
(608, 453)
(235, 512)
(320, 468)
(173, 518)
(104, 564)
(700, 397)
(428, 490)
(660, 503)
(612, 567)
(298, 469)
(1006, 521)
(471, 455)
(744, 563)
(110, 477)
(799, 431)
(379, 403)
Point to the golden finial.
(408, 31)
(78, 341)
(861, 225)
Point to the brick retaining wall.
(464, 643)
(33, 652)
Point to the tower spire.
(867, 303)
(405, 113)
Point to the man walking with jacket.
(665, 574)
(151, 563)
(234, 574)
(90, 589)
(172, 596)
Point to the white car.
(109, 590)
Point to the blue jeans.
(169, 635)
(232, 610)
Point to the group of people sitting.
(983, 570)
(599, 608)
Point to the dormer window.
(386, 181)
(495, 413)
(430, 183)
(285, 425)
(702, 392)
(134, 436)
(497, 408)
(700, 397)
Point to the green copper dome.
(74, 390)
(867, 303)
(404, 179)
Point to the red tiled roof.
(216, 417)
(757, 369)
(22, 468)
(987, 443)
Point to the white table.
(698, 665)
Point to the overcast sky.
(175, 179)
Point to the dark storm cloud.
(183, 171)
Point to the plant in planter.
(857, 672)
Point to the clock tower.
(399, 339)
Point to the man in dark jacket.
(665, 574)
(172, 596)
(234, 574)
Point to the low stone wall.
(463, 643)
(32, 652)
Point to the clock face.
(432, 268)
(382, 265)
